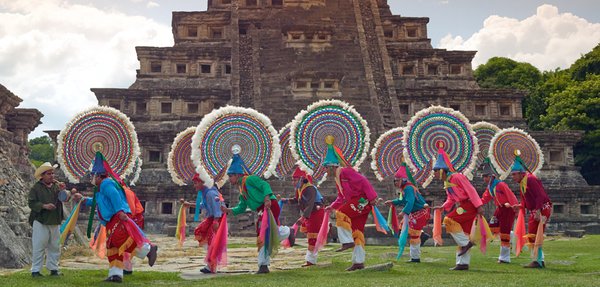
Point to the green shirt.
(253, 193)
(40, 195)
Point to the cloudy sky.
(53, 51)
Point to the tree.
(41, 150)
(586, 65)
(578, 108)
(500, 72)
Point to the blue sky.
(53, 51)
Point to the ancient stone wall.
(16, 178)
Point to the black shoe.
(36, 274)
(414, 261)
(263, 269)
(465, 249)
(292, 238)
(345, 246)
(152, 255)
(205, 270)
(55, 273)
(114, 278)
(127, 272)
(460, 267)
(424, 237)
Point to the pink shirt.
(503, 195)
(352, 184)
(460, 190)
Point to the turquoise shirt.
(412, 200)
(110, 199)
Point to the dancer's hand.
(388, 202)
(76, 197)
(123, 216)
(480, 210)
(225, 209)
(438, 207)
(328, 208)
(49, 206)
(267, 203)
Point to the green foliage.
(41, 150)
(569, 261)
(587, 65)
(501, 72)
(578, 108)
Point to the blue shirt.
(412, 200)
(211, 202)
(110, 199)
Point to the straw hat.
(43, 168)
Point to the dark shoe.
(263, 269)
(205, 270)
(55, 273)
(127, 272)
(114, 278)
(502, 262)
(345, 246)
(464, 249)
(152, 255)
(36, 274)
(414, 261)
(460, 267)
(292, 238)
(356, 266)
(424, 237)
(534, 264)
(307, 264)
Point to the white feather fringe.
(171, 159)
(376, 147)
(300, 116)
(98, 109)
(504, 173)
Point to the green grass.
(570, 262)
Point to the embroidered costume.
(504, 215)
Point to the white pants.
(461, 240)
(415, 251)
(358, 254)
(284, 232)
(140, 252)
(504, 254)
(344, 235)
(311, 257)
(45, 239)
(262, 259)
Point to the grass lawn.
(569, 261)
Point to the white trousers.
(45, 240)
(462, 239)
(262, 259)
(311, 257)
(415, 251)
(140, 252)
(344, 235)
(358, 254)
(504, 254)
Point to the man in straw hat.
(46, 216)
(504, 216)
(353, 204)
(534, 199)
(460, 221)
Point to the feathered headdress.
(514, 149)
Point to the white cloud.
(152, 4)
(52, 53)
(547, 40)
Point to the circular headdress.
(229, 127)
(286, 161)
(503, 147)
(386, 155)
(133, 177)
(180, 163)
(322, 120)
(484, 132)
(101, 129)
(438, 127)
